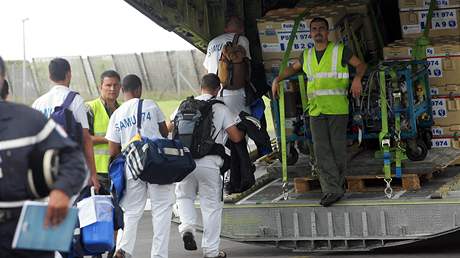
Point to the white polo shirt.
(222, 119)
(211, 61)
(55, 97)
(123, 122)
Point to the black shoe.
(329, 198)
(189, 241)
(221, 254)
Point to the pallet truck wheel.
(419, 153)
(303, 148)
(428, 135)
(292, 155)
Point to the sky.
(79, 27)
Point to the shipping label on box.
(451, 130)
(444, 71)
(437, 131)
(442, 19)
(289, 25)
(439, 107)
(435, 67)
(407, 5)
(302, 40)
(441, 143)
(446, 111)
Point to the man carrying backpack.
(121, 131)
(234, 74)
(61, 75)
(206, 178)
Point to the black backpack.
(194, 128)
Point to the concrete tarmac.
(240, 250)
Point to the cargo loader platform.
(361, 221)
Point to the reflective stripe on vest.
(328, 81)
(340, 92)
(101, 122)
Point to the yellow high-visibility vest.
(328, 81)
(101, 122)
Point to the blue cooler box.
(98, 237)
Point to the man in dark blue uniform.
(25, 134)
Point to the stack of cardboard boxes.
(443, 56)
(275, 29)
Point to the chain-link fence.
(165, 75)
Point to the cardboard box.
(273, 65)
(440, 47)
(444, 23)
(446, 111)
(449, 131)
(443, 57)
(349, 6)
(407, 5)
(445, 90)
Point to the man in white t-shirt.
(206, 179)
(60, 74)
(233, 99)
(122, 128)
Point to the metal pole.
(24, 60)
(177, 74)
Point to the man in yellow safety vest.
(99, 111)
(326, 67)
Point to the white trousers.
(133, 203)
(235, 100)
(208, 183)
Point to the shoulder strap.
(235, 39)
(213, 101)
(139, 115)
(68, 100)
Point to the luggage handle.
(93, 192)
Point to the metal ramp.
(359, 222)
(347, 226)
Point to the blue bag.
(98, 237)
(258, 108)
(64, 117)
(117, 176)
(158, 161)
(79, 248)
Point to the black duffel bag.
(158, 161)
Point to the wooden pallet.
(306, 184)
(366, 183)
